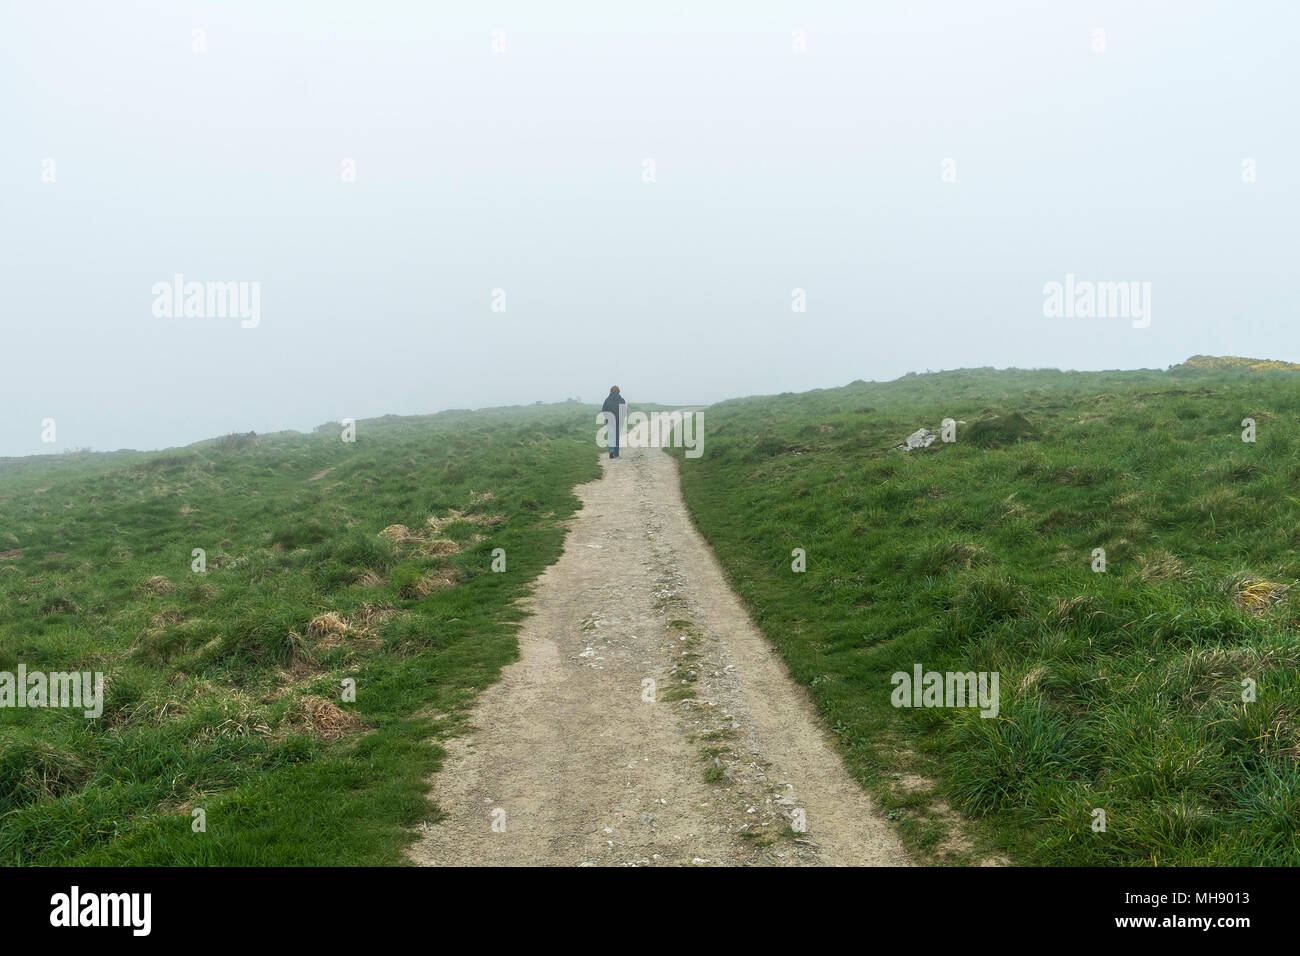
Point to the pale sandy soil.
(574, 767)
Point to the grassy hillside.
(325, 561)
(1120, 691)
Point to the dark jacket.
(612, 405)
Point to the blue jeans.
(611, 420)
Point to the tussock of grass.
(1160, 565)
(322, 718)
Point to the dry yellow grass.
(1160, 565)
(429, 538)
(331, 629)
(436, 523)
(321, 718)
(330, 624)
(1030, 683)
(441, 546)
(1235, 361)
(167, 618)
(372, 614)
(1257, 595)
(436, 580)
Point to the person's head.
(613, 390)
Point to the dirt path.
(569, 764)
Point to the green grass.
(1119, 691)
(217, 682)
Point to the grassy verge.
(326, 562)
(1121, 691)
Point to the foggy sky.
(524, 171)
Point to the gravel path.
(574, 758)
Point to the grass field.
(1120, 691)
(329, 561)
(325, 561)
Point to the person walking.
(613, 413)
